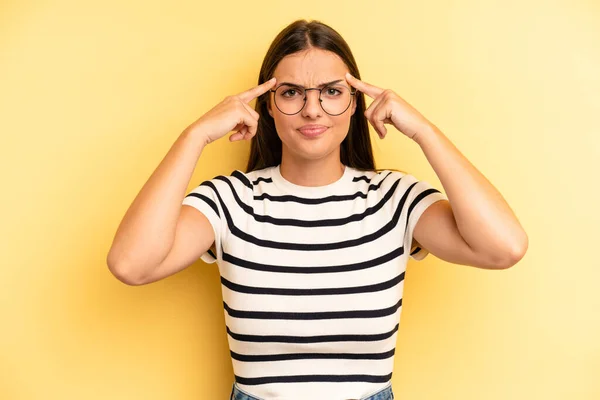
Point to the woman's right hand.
(233, 113)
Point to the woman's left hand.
(389, 108)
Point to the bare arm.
(147, 232)
(158, 235)
(478, 218)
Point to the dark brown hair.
(300, 35)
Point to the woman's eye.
(332, 91)
(288, 91)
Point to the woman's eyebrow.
(304, 87)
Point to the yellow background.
(93, 94)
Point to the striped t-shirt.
(312, 277)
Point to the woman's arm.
(483, 218)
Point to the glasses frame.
(352, 93)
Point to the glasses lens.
(335, 99)
(289, 99)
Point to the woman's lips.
(312, 132)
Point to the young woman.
(311, 240)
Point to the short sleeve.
(206, 199)
(421, 195)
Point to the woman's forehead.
(312, 78)
(311, 68)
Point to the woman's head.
(309, 54)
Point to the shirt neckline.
(310, 191)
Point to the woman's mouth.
(312, 130)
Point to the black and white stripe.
(312, 277)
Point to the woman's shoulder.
(253, 177)
(377, 175)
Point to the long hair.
(300, 35)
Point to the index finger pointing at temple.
(256, 91)
(369, 90)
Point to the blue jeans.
(383, 394)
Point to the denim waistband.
(381, 394)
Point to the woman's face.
(310, 69)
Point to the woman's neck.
(312, 172)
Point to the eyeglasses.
(334, 99)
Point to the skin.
(311, 161)
(476, 226)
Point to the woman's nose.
(312, 104)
